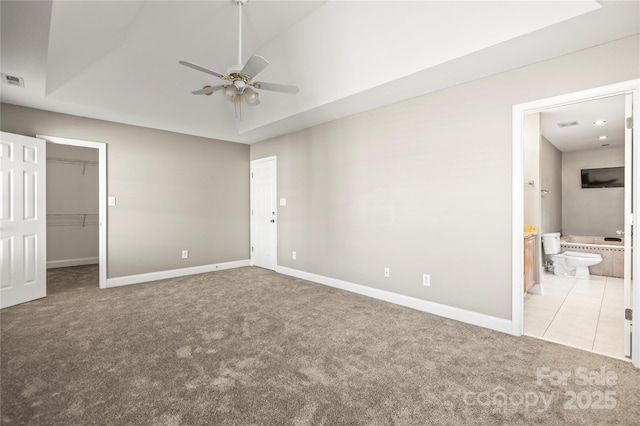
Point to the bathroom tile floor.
(588, 314)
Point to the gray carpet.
(250, 347)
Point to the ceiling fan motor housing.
(234, 69)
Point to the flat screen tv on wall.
(607, 177)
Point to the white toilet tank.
(551, 242)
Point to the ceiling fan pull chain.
(237, 107)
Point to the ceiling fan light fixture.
(230, 92)
(251, 97)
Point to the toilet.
(570, 263)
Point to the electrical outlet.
(294, 255)
(185, 254)
(426, 280)
(387, 273)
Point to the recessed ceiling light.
(603, 137)
(599, 122)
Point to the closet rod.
(72, 161)
(72, 219)
(83, 163)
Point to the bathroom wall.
(531, 166)
(72, 192)
(550, 180)
(591, 211)
(531, 173)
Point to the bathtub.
(612, 252)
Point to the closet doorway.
(76, 204)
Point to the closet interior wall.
(72, 206)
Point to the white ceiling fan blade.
(199, 68)
(207, 90)
(282, 88)
(254, 65)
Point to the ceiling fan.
(239, 77)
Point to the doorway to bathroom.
(555, 141)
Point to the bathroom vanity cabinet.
(529, 262)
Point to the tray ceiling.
(118, 61)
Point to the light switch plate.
(111, 201)
(283, 201)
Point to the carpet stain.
(32, 387)
(209, 336)
(217, 335)
(76, 409)
(140, 382)
(222, 383)
(184, 352)
(249, 363)
(197, 382)
(305, 415)
(246, 330)
(168, 420)
(315, 375)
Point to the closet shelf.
(72, 219)
(73, 161)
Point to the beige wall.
(591, 211)
(173, 191)
(423, 186)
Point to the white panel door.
(22, 219)
(264, 227)
(629, 222)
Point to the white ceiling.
(585, 134)
(118, 60)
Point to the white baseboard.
(72, 262)
(173, 273)
(469, 317)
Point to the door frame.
(275, 178)
(517, 215)
(102, 197)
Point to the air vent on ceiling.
(13, 80)
(567, 124)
